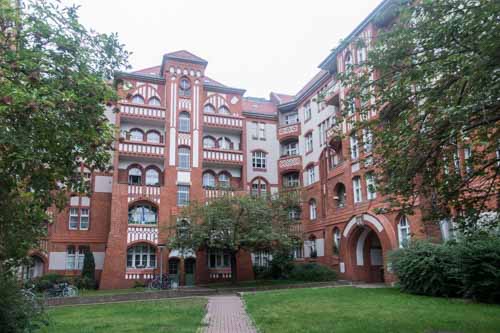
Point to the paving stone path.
(226, 314)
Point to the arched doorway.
(34, 269)
(366, 254)
(190, 271)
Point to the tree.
(433, 74)
(54, 87)
(88, 270)
(235, 224)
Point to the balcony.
(334, 133)
(220, 156)
(138, 192)
(138, 111)
(332, 93)
(288, 131)
(141, 149)
(223, 121)
(214, 193)
(289, 163)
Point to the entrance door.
(189, 269)
(173, 271)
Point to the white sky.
(257, 45)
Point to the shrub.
(262, 273)
(312, 272)
(282, 264)
(87, 280)
(47, 281)
(84, 282)
(428, 269)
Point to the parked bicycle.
(158, 282)
(62, 290)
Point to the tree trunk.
(234, 269)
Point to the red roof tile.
(150, 70)
(183, 54)
(258, 105)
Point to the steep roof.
(155, 70)
(258, 107)
(282, 98)
(184, 55)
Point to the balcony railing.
(133, 110)
(289, 162)
(332, 93)
(286, 131)
(141, 149)
(137, 192)
(222, 121)
(334, 132)
(223, 156)
(148, 233)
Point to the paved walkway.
(226, 314)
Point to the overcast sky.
(257, 45)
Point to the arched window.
(154, 101)
(152, 177)
(135, 176)
(336, 241)
(153, 137)
(208, 142)
(340, 195)
(184, 87)
(184, 155)
(208, 180)
(313, 210)
(136, 135)
(208, 108)
(259, 187)
(138, 99)
(224, 110)
(184, 122)
(141, 256)
(225, 143)
(403, 232)
(224, 180)
(143, 213)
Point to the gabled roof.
(309, 87)
(155, 70)
(184, 55)
(258, 107)
(212, 85)
(282, 98)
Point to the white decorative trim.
(360, 246)
(366, 217)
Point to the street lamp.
(161, 247)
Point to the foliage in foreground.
(433, 75)
(469, 268)
(312, 272)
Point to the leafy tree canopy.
(433, 73)
(54, 86)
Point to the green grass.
(252, 284)
(91, 292)
(349, 309)
(176, 316)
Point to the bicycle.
(159, 283)
(62, 290)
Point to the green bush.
(312, 272)
(47, 281)
(469, 268)
(428, 269)
(84, 282)
(87, 280)
(282, 264)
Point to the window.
(307, 111)
(403, 232)
(184, 122)
(225, 143)
(354, 146)
(258, 130)
(154, 101)
(218, 259)
(259, 187)
(138, 99)
(294, 213)
(73, 218)
(336, 241)
(136, 135)
(323, 128)
(361, 53)
(223, 110)
(309, 142)
(182, 195)
(81, 256)
(313, 251)
(291, 180)
(298, 252)
(208, 180)
(173, 266)
(208, 142)
(262, 258)
(468, 160)
(152, 177)
(348, 61)
(208, 109)
(153, 137)
(371, 190)
(70, 257)
(313, 213)
(351, 106)
(143, 214)
(356, 187)
(141, 256)
(290, 149)
(262, 131)
(84, 218)
(259, 159)
(184, 154)
(340, 195)
(184, 88)
(367, 140)
(291, 118)
(311, 175)
(135, 176)
(224, 180)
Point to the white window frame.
(149, 137)
(259, 159)
(70, 257)
(73, 218)
(370, 182)
(184, 155)
(84, 218)
(133, 173)
(403, 228)
(367, 140)
(291, 148)
(307, 111)
(291, 180)
(336, 240)
(311, 175)
(224, 183)
(183, 195)
(356, 189)
(291, 118)
(142, 254)
(150, 180)
(313, 210)
(184, 122)
(309, 142)
(208, 180)
(221, 259)
(353, 140)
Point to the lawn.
(348, 309)
(176, 316)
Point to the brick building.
(183, 136)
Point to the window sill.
(260, 169)
(135, 225)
